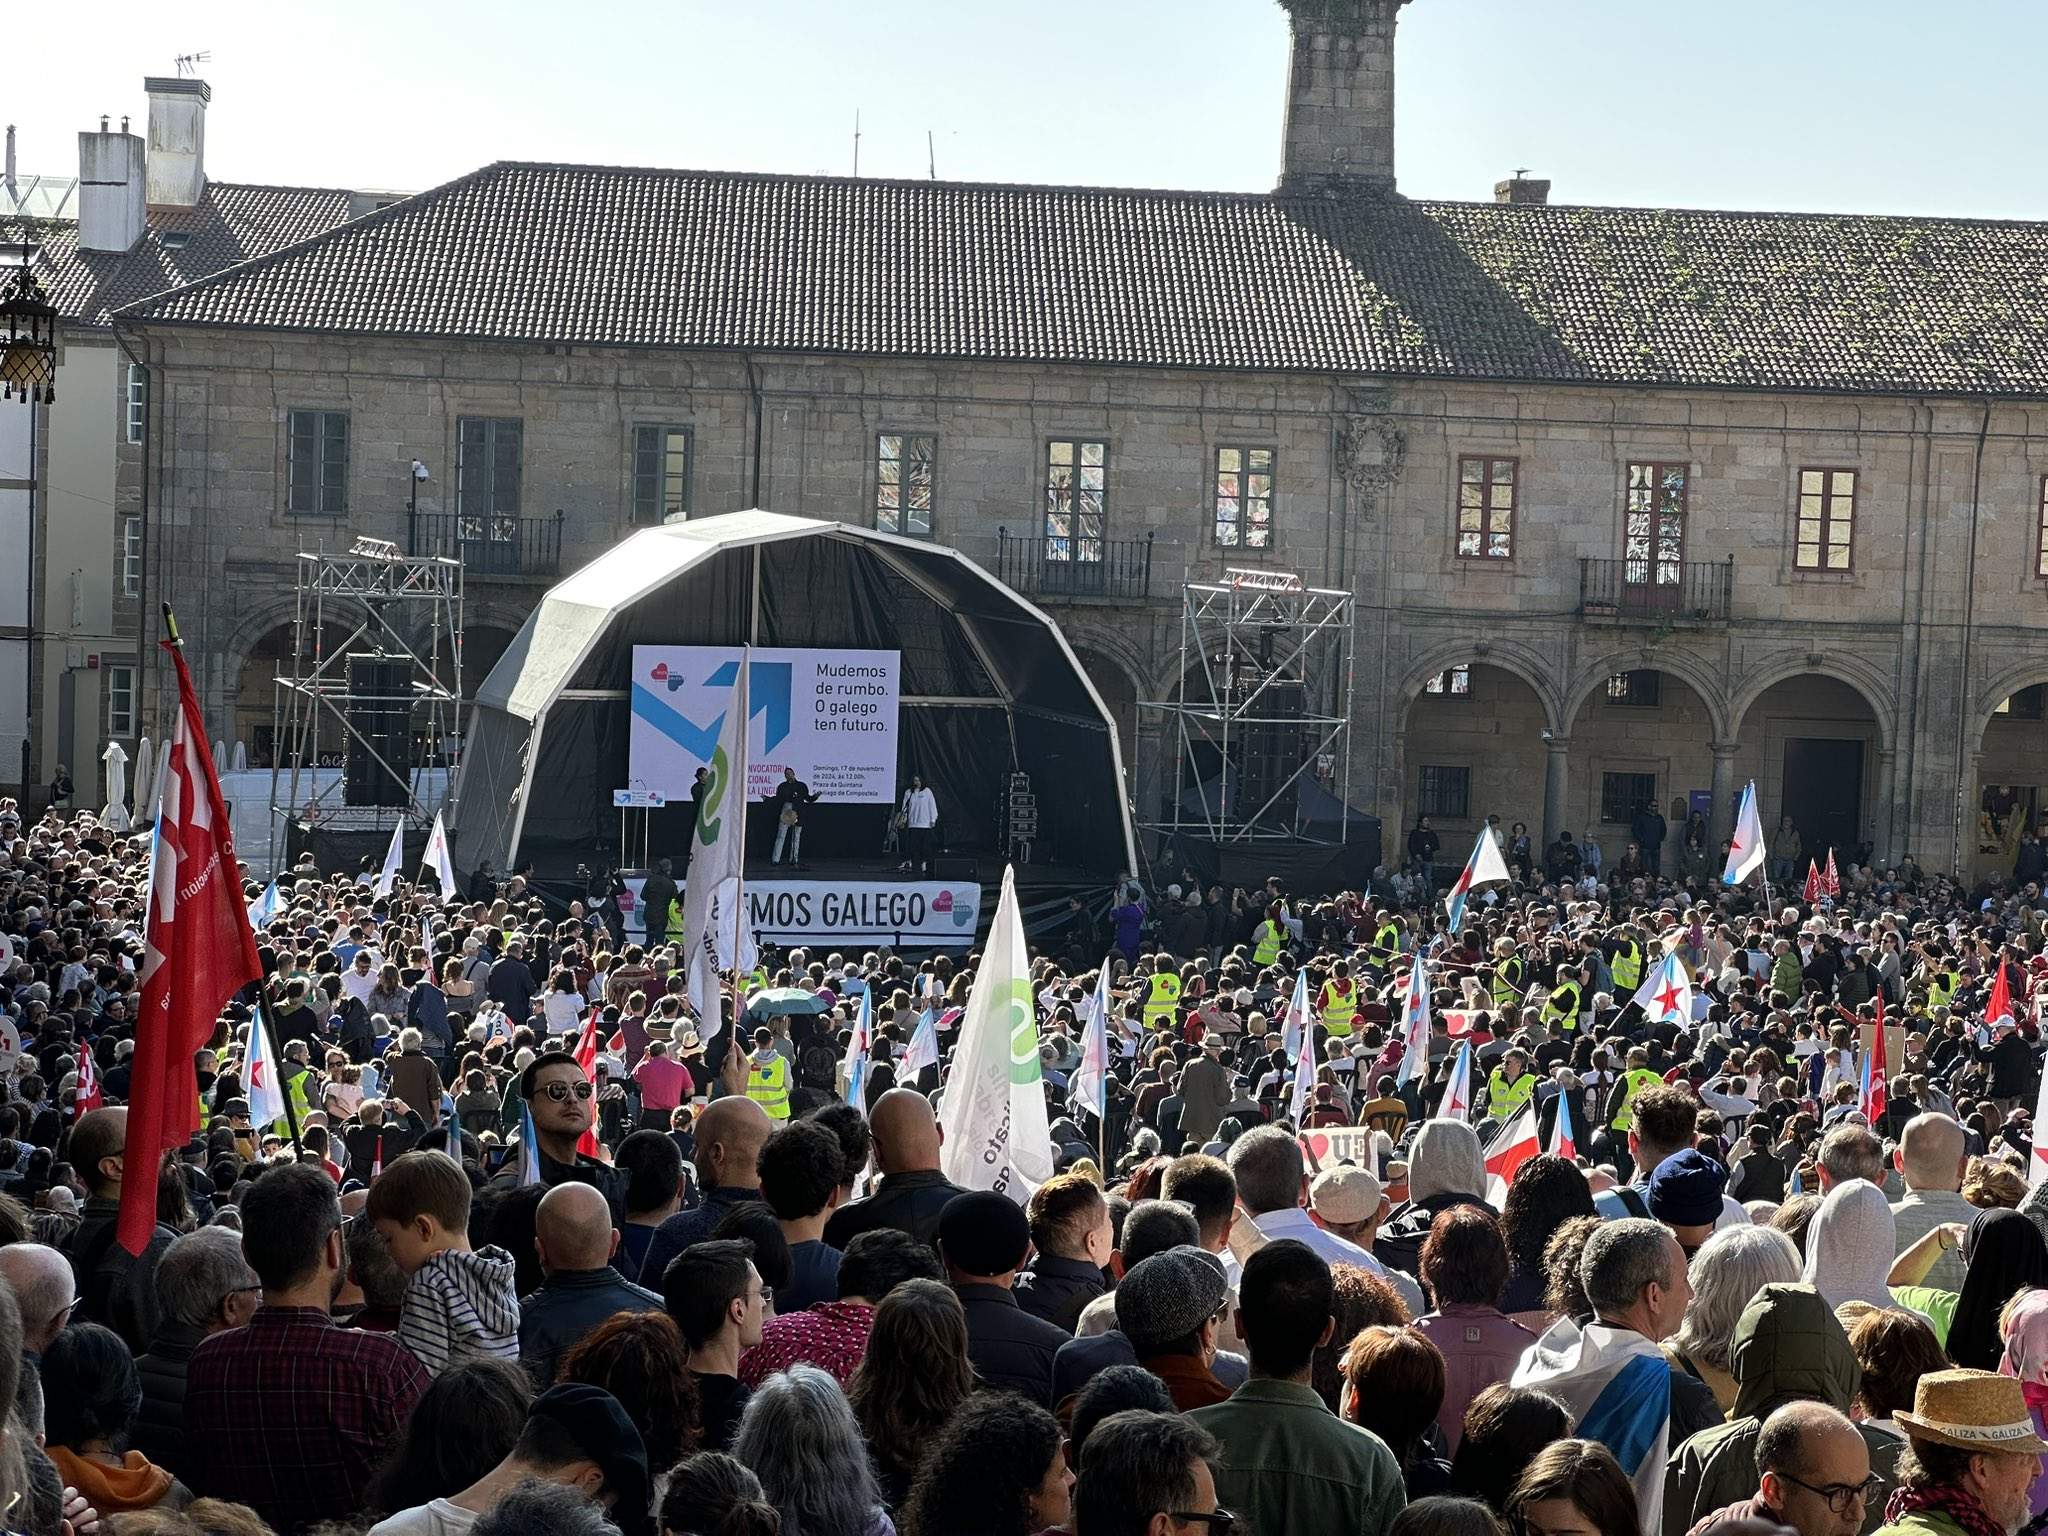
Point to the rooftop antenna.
(188, 63)
(1521, 171)
(931, 158)
(856, 141)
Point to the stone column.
(1554, 788)
(1722, 822)
(1881, 823)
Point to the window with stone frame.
(120, 676)
(1827, 520)
(316, 463)
(1244, 497)
(1486, 507)
(1452, 680)
(1444, 792)
(661, 473)
(1076, 499)
(1621, 793)
(138, 400)
(1635, 690)
(904, 482)
(1653, 525)
(488, 477)
(2041, 529)
(131, 556)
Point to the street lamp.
(28, 339)
(412, 506)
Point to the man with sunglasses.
(563, 1104)
(1149, 1474)
(1814, 1475)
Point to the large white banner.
(929, 913)
(830, 715)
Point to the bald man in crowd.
(729, 1135)
(1810, 1459)
(913, 1191)
(1931, 1156)
(574, 1236)
(44, 1287)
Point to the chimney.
(1518, 189)
(177, 141)
(10, 162)
(111, 216)
(1340, 96)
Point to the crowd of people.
(544, 1244)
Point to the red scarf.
(1955, 1503)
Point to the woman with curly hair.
(1563, 1294)
(1547, 1192)
(710, 1494)
(1363, 1300)
(640, 1358)
(913, 1379)
(997, 1469)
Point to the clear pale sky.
(1889, 106)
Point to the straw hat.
(1972, 1411)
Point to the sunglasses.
(1220, 1523)
(561, 1092)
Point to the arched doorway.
(254, 712)
(2009, 794)
(1641, 746)
(1473, 745)
(1817, 751)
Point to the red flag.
(1813, 885)
(1875, 1077)
(586, 1058)
(88, 1094)
(198, 954)
(1830, 882)
(1998, 1010)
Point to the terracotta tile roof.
(231, 224)
(1102, 276)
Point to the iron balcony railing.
(1697, 591)
(492, 545)
(1075, 567)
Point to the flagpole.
(266, 1021)
(740, 777)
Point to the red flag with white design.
(87, 1095)
(1514, 1146)
(1814, 888)
(1830, 881)
(586, 1058)
(198, 953)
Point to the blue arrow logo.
(770, 684)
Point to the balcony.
(1641, 591)
(1047, 568)
(492, 548)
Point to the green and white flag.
(993, 1108)
(714, 940)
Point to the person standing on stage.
(657, 895)
(789, 797)
(920, 815)
(700, 786)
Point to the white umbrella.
(116, 813)
(145, 775)
(240, 761)
(220, 756)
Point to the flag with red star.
(1746, 847)
(1666, 996)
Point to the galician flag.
(198, 953)
(1616, 1385)
(436, 857)
(1562, 1142)
(1415, 1026)
(1089, 1087)
(857, 1048)
(993, 1115)
(529, 1148)
(1457, 1100)
(1485, 867)
(1666, 996)
(1746, 848)
(1304, 1091)
(394, 860)
(1875, 1079)
(714, 938)
(267, 908)
(264, 1089)
(1294, 1026)
(1514, 1146)
(923, 1050)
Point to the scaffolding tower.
(400, 660)
(1263, 707)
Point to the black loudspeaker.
(1272, 751)
(953, 869)
(381, 721)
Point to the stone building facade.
(1638, 505)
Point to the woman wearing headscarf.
(1445, 1168)
(2025, 1329)
(2003, 1254)
(1850, 1244)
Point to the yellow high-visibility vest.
(1388, 940)
(1339, 1009)
(1164, 1000)
(768, 1086)
(1627, 966)
(1638, 1079)
(1507, 983)
(1267, 942)
(1504, 1098)
(1562, 1005)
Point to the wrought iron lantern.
(28, 339)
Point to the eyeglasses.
(560, 1092)
(1220, 1522)
(1841, 1495)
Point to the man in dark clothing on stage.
(657, 895)
(790, 796)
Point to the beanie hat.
(1685, 1189)
(983, 1233)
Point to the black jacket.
(1057, 1289)
(1011, 1350)
(554, 1319)
(657, 895)
(159, 1431)
(2012, 1066)
(115, 1288)
(908, 1202)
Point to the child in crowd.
(459, 1304)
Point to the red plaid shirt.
(832, 1336)
(291, 1414)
